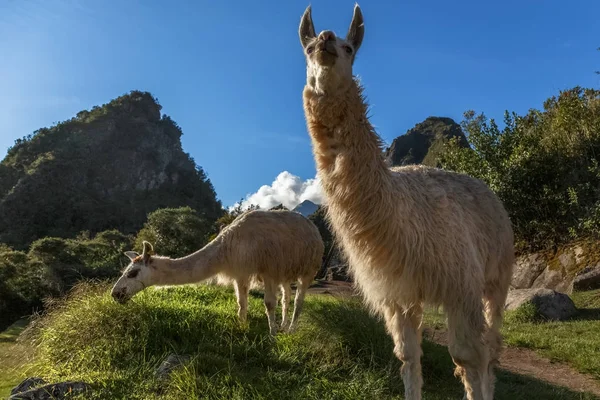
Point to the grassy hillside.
(339, 351)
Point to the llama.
(272, 247)
(413, 235)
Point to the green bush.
(52, 266)
(175, 232)
(544, 166)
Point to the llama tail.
(495, 298)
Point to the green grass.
(576, 341)
(13, 356)
(339, 351)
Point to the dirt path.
(527, 362)
(516, 360)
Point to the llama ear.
(307, 29)
(131, 255)
(148, 250)
(356, 32)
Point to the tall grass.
(339, 351)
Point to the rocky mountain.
(306, 208)
(106, 168)
(421, 144)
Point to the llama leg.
(495, 298)
(301, 289)
(466, 328)
(271, 304)
(286, 292)
(241, 292)
(404, 327)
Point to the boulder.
(550, 305)
(53, 391)
(527, 270)
(554, 279)
(587, 280)
(27, 384)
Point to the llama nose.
(326, 36)
(119, 296)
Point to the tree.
(544, 166)
(230, 216)
(175, 232)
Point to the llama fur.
(413, 235)
(274, 248)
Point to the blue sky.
(231, 72)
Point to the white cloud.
(287, 189)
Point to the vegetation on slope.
(106, 168)
(52, 266)
(339, 351)
(544, 166)
(422, 143)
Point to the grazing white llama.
(275, 247)
(413, 235)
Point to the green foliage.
(175, 232)
(54, 265)
(527, 313)
(230, 216)
(106, 168)
(423, 143)
(22, 285)
(338, 352)
(544, 166)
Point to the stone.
(27, 384)
(550, 304)
(527, 270)
(172, 362)
(548, 279)
(588, 280)
(53, 391)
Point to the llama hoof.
(292, 328)
(284, 327)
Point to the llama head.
(136, 277)
(329, 58)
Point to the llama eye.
(348, 49)
(309, 50)
(133, 274)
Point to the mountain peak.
(306, 208)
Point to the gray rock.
(588, 280)
(548, 279)
(550, 304)
(172, 362)
(27, 384)
(527, 270)
(53, 391)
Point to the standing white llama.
(413, 235)
(275, 247)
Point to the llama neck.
(193, 268)
(348, 154)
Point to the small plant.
(527, 313)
